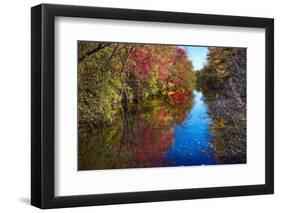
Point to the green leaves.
(141, 71)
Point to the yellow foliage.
(219, 124)
(171, 92)
(170, 84)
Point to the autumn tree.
(223, 80)
(117, 78)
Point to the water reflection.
(157, 133)
(192, 139)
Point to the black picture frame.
(43, 102)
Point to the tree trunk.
(127, 128)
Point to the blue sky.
(198, 55)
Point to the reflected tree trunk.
(126, 118)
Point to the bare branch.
(98, 48)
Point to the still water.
(192, 139)
(157, 134)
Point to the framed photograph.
(139, 106)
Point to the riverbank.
(228, 128)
